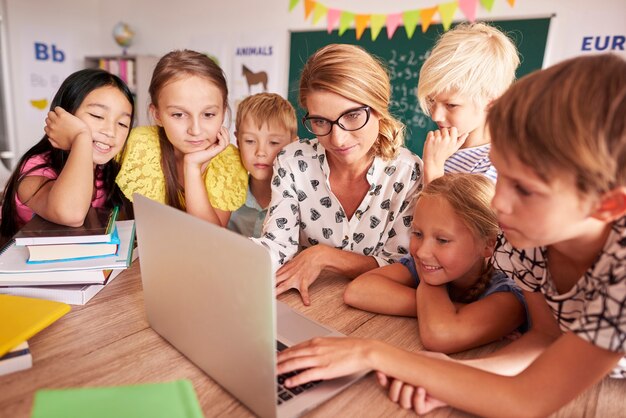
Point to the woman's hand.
(202, 158)
(300, 272)
(325, 358)
(63, 128)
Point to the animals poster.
(258, 65)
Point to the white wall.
(163, 25)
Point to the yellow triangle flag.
(319, 12)
(376, 24)
(292, 4)
(361, 22)
(410, 19)
(446, 11)
(427, 17)
(487, 4)
(345, 21)
(309, 5)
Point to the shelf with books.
(136, 71)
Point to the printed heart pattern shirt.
(304, 211)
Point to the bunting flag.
(427, 17)
(345, 20)
(446, 11)
(361, 22)
(332, 18)
(308, 8)
(487, 4)
(376, 24)
(319, 11)
(468, 7)
(410, 18)
(393, 21)
(292, 4)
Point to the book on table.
(16, 271)
(21, 318)
(74, 294)
(154, 400)
(16, 359)
(98, 227)
(46, 253)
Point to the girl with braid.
(448, 280)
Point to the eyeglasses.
(350, 120)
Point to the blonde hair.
(351, 72)
(470, 197)
(270, 109)
(474, 60)
(568, 118)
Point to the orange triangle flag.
(361, 22)
(309, 5)
(511, 2)
(427, 17)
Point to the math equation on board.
(404, 68)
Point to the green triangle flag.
(345, 21)
(319, 12)
(376, 24)
(292, 4)
(410, 20)
(487, 4)
(446, 11)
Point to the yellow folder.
(21, 318)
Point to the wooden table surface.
(108, 342)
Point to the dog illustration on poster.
(253, 78)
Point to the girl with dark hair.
(186, 160)
(73, 166)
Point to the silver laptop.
(210, 293)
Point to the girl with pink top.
(73, 167)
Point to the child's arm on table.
(555, 377)
(448, 327)
(394, 281)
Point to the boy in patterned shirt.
(559, 144)
(470, 66)
(265, 123)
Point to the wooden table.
(108, 342)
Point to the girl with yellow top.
(186, 160)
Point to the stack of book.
(21, 319)
(66, 264)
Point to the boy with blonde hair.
(469, 67)
(265, 123)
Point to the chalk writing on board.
(404, 68)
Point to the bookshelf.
(136, 71)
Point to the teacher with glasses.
(342, 203)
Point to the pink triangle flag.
(468, 7)
(332, 18)
(393, 21)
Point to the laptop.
(210, 293)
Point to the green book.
(167, 400)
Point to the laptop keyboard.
(285, 393)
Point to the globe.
(123, 34)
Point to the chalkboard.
(404, 58)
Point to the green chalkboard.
(404, 58)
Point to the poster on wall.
(46, 62)
(253, 63)
(46, 59)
